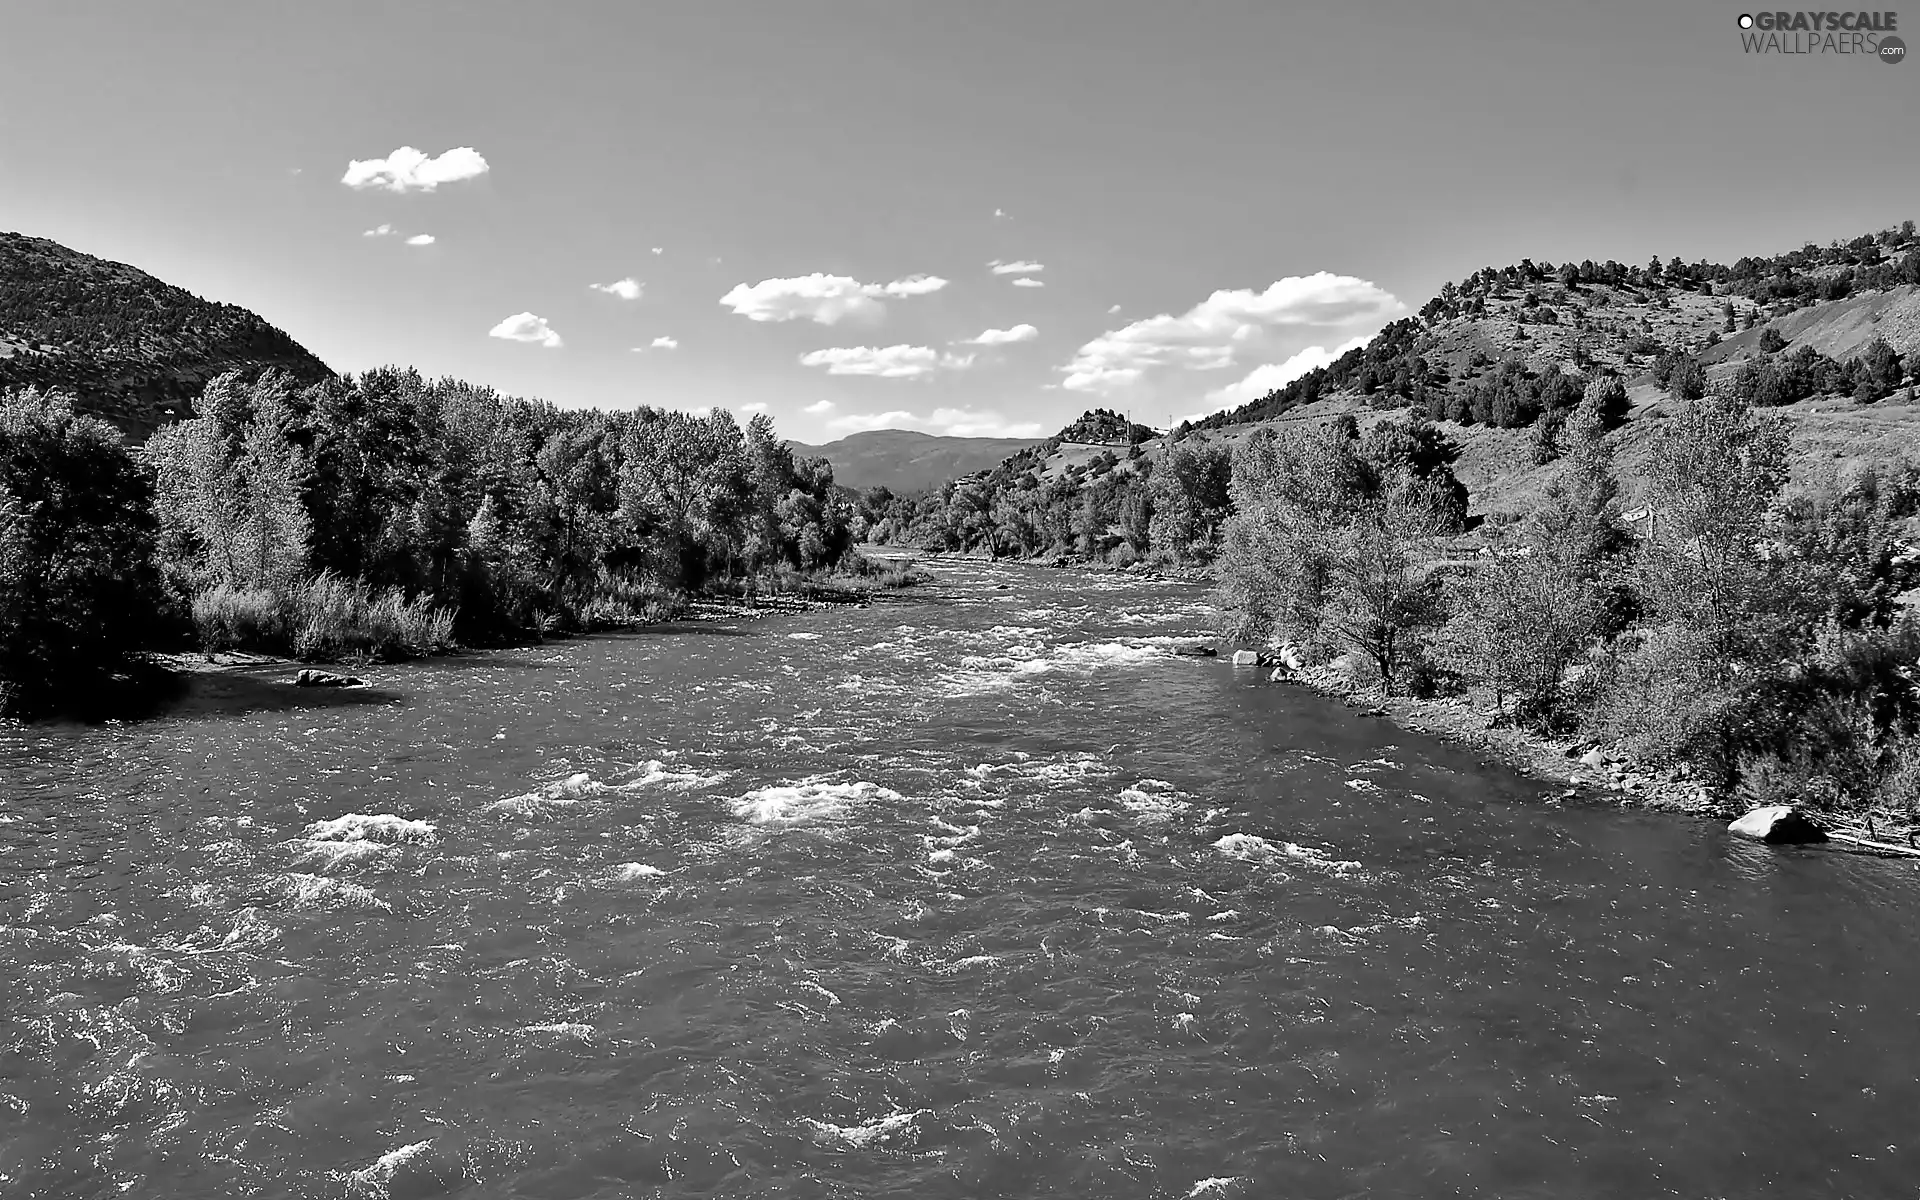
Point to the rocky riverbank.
(1588, 772)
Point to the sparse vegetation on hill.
(132, 350)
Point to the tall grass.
(323, 618)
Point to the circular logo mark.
(1746, 20)
(1892, 49)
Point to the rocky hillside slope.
(134, 350)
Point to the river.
(977, 891)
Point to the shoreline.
(1615, 780)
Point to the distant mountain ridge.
(132, 349)
(906, 462)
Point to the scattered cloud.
(1268, 376)
(627, 289)
(659, 249)
(1261, 328)
(758, 406)
(1004, 337)
(954, 422)
(1001, 214)
(885, 362)
(1022, 267)
(421, 239)
(525, 327)
(1023, 281)
(664, 342)
(410, 170)
(378, 231)
(818, 407)
(823, 299)
(1113, 310)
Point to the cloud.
(953, 422)
(1023, 267)
(1268, 376)
(410, 170)
(664, 342)
(1001, 214)
(659, 249)
(1023, 281)
(421, 239)
(885, 362)
(1113, 310)
(378, 231)
(758, 406)
(823, 299)
(818, 407)
(1235, 326)
(525, 327)
(1004, 337)
(627, 289)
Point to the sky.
(970, 217)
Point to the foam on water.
(334, 856)
(559, 794)
(654, 773)
(1252, 848)
(320, 892)
(628, 872)
(373, 1181)
(377, 827)
(806, 802)
(894, 1129)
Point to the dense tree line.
(384, 515)
(1750, 635)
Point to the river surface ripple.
(979, 891)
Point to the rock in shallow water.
(1781, 824)
(327, 679)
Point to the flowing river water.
(978, 891)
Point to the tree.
(1771, 342)
(77, 585)
(1608, 399)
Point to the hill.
(907, 463)
(1829, 336)
(133, 350)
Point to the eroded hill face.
(132, 349)
(908, 463)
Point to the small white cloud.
(818, 407)
(659, 249)
(627, 289)
(410, 170)
(525, 327)
(420, 239)
(1023, 281)
(885, 362)
(1001, 214)
(1113, 310)
(758, 406)
(823, 299)
(379, 231)
(1023, 267)
(1004, 337)
(664, 342)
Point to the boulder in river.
(1781, 824)
(1245, 658)
(310, 678)
(1195, 650)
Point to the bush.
(325, 618)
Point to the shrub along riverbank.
(1743, 643)
(386, 517)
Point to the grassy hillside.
(906, 462)
(134, 350)
(1533, 324)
